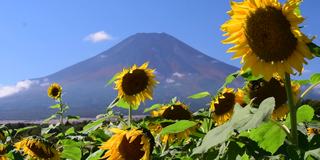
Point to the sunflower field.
(269, 117)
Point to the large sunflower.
(136, 84)
(3, 152)
(37, 148)
(260, 89)
(54, 91)
(134, 144)
(176, 111)
(222, 106)
(267, 36)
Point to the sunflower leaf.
(123, 104)
(242, 119)
(178, 127)
(269, 136)
(199, 95)
(153, 107)
(229, 79)
(96, 155)
(302, 82)
(93, 125)
(71, 149)
(315, 49)
(112, 79)
(305, 113)
(315, 78)
(55, 106)
(312, 154)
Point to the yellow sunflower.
(313, 131)
(3, 152)
(37, 148)
(267, 36)
(176, 111)
(54, 91)
(258, 90)
(136, 84)
(222, 106)
(131, 144)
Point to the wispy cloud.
(13, 89)
(98, 37)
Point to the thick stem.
(293, 111)
(129, 116)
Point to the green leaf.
(99, 135)
(93, 125)
(50, 118)
(313, 153)
(69, 117)
(71, 149)
(96, 155)
(305, 113)
(269, 136)
(247, 75)
(314, 49)
(55, 106)
(242, 119)
(199, 95)
(153, 107)
(302, 82)
(123, 104)
(315, 78)
(178, 127)
(245, 157)
(113, 79)
(229, 79)
(25, 129)
(70, 131)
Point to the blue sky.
(41, 37)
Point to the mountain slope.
(180, 69)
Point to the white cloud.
(13, 89)
(169, 80)
(98, 37)
(177, 74)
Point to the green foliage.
(123, 104)
(178, 127)
(242, 119)
(229, 79)
(71, 149)
(93, 125)
(153, 107)
(315, 78)
(305, 113)
(113, 79)
(200, 95)
(315, 49)
(96, 155)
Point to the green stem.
(293, 111)
(309, 89)
(130, 116)
(61, 112)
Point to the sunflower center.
(133, 150)
(176, 112)
(38, 150)
(269, 35)
(225, 104)
(135, 82)
(261, 89)
(55, 92)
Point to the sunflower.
(135, 84)
(176, 111)
(54, 91)
(267, 36)
(37, 148)
(3, 152)
(260, 89)
(222, 106)
(313, 131)
(133, 144)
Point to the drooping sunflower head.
(134, 144)
(260, 89)
(37, 148)
(55, 91)
(222, 106)
(313, 131)
(267, 36)
(136, 84)
(176, 111)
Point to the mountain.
(180, 69)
